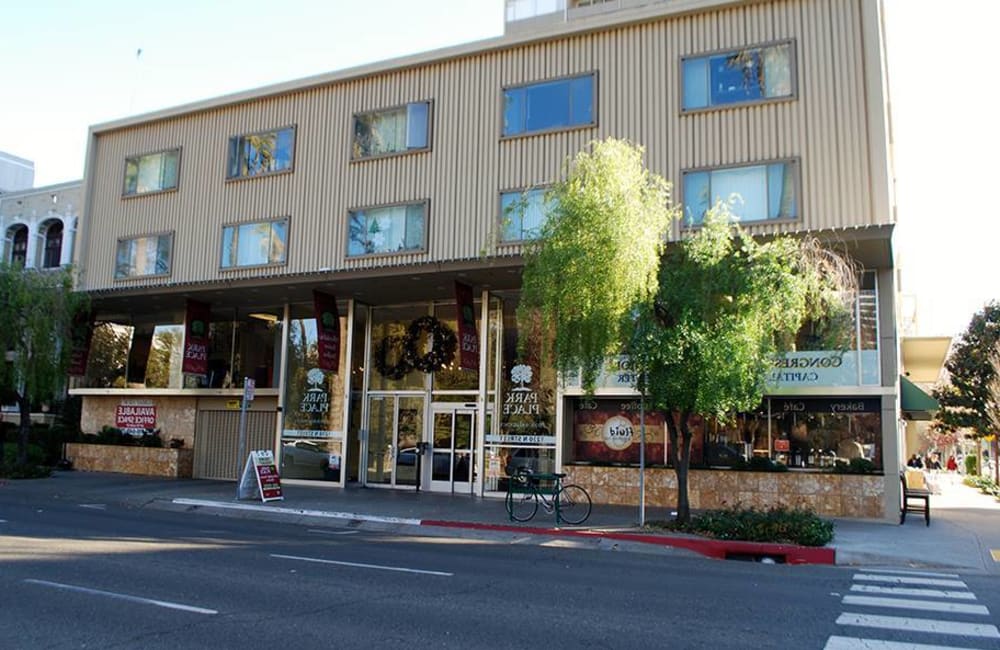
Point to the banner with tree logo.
(196, 338)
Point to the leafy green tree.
(106, 364)
(726, 305)
(967, 401)
(38, 309)
(701, 319)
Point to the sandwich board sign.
(260, 471)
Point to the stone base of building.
(828, 495)
(148, 461)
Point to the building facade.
(40, 225)
(347, 242)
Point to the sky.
(68, 64)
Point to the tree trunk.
(680, 458)
(24, 431)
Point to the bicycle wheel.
(521, 506)
(574, 504)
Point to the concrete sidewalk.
(965, 525)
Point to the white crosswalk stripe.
(929, 595)
(907, 591)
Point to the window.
(758, 192)
(522, 214)
(261, 153)
(155, 172)
(18, 238)
(143, 256)
(392, 229)
(395, 130)
(254, 244)
(551, 105)
(738, 77)
(52, 254)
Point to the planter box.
(148, 461)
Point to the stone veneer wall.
(149, 461)
(830, 495)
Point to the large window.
(754, 192)
(738, 76)
(393, 229)
(17, 242)
(52, 251)
(153, 172)
(395, 130)
(550, 105)
(254, 244)
(143, 256)
(522, 214)
(261, 153)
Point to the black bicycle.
(525, 491)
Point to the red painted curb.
(714, 548)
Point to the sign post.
(248, 386)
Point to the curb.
(713, 548)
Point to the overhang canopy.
(923, 357)
(914, 402)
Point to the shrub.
(971, 465)
(36, 455)
(115, 436)
(778, 524)
(25, 471)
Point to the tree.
(700, 319)
(967, 399)
(38, 309)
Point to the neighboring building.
(39, 225)
(383, 186)
(15, 173)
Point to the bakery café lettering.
(618, 432)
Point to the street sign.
(261, 470)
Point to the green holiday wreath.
(444, 344)
(395, 347)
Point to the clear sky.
(67, 64)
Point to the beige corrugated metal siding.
(825, 127)
(216, 441)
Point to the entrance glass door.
(452, 449)
(395, 426)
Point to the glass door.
(452, 449)
(395, 426)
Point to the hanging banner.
(468, 335)
(83, 332)
(196, 338)
(261, 471)
(327, 331)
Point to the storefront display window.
(815, 432)
(312, 433)
(610, 431)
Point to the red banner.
(83, 332)
(327, 331)
(196, 323)
(468, 335)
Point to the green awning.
(915, 403)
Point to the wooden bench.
(916, 496)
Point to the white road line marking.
(134, 599)
(3, 521)
(361, 565)
(904, 580)
(919, 625)
(849, 643)
(907, 591)
(923, 605)
(94, 506)
(903, 572)
(331, 532)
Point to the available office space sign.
(135, 417)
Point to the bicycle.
(571, 503)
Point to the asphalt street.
(104, 575)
